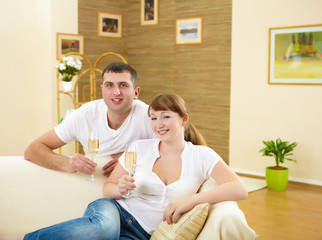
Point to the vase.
(67, 86)
(277, 180)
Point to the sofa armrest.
(225, 220)
(33, 197)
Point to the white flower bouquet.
(69, 67)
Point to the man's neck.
(116, 119)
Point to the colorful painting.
(149, 12)
(109, 25)
(296, 55)
(189, 30)
(69, 43)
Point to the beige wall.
(64, 20)
(27, 63)
(260, 111)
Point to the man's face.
(118, 92)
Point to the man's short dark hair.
(120, 67)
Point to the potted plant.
(277, 176)
(69, 68)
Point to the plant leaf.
(279, 150)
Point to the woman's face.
(167, 125)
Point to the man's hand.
(108, 168)
(80, 163)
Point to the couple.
(175, 162)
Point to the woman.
(169, 171)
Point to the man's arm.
(41, 153)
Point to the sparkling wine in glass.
(130, 164)
(93, 146)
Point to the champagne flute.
(130, 164)
(93, 145)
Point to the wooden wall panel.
(199, 73)
(151, 49)
(95, 45)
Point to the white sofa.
(32, 197)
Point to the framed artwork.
(149, 12)
(66, 43)
(189, 30)
(295, 55)
(109, 25)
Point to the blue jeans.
(104, 219)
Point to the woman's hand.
(176, 209)
(125, 184)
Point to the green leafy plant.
(280, 150)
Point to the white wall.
(262, 112)
(27, 64)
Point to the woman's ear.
(185, 119)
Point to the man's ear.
(136, 92)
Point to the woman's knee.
(227, 212)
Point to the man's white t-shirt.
(93, 116)
(153, 195)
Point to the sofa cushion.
(188, 226)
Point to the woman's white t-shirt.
(153, 195)
(93, 116)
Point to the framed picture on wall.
(109, 25)
(189, 30)
(295, 55)
(149, 12)
(66, 43)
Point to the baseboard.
(291, 179)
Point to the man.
(118, 119)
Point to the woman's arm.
(118, 184)
(230, 188)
